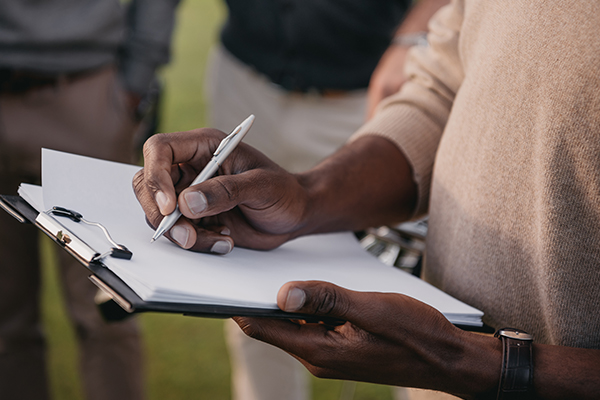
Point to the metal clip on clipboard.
(74, 244)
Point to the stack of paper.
(102, 192)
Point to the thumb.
(317, 298)
(220, 194)
(269, 199)
(371, 311)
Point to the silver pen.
(225, 148)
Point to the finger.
(246, 235)
(372, 312)
(255, 191)
(163, 151)
(146, 199)
(212, 239)
(323, 351)
(366, 310)
(221, 194)
(305, 342)
(213, 235)
(182, 175)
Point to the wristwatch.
(516, 378)
(411, 39)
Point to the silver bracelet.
(411, 39)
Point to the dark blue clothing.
(312, 44)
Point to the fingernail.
(225, 231)
(180, 235)
(221, 247)
(196, 201)
(161, 200)
(295, 299)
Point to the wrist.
(313, 220)
(516, 377)
(476, 374)
(368, 182)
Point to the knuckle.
(150, 143)
(138, 180)
(155, 143)
(153, 216)
(250, 329)
(230, 189)
(330, 301)
(327, 302)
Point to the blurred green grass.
(186, 358)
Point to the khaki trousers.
(88, 116)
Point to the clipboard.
(161, 277)
(115, 288)
(125, 297)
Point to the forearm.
(389, 75)
(419, 16)
(559, 372)
(366, 183)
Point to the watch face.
(514, 334)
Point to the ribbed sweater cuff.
(416, 135)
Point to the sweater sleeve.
(415, 117)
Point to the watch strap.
(517, 372)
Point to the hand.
(389, 339)
(387, 78)
(252, 202)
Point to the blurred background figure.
(74, 76)
(303, 68)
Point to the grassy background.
(186, 358)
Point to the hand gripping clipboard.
(112, 285)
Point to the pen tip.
(152, 240)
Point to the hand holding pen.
(252, 203)
(227, 145)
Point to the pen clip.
(226, 141)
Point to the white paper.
(161, 271)
(32, 194)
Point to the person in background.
(72, 76)
(495, 135)
(303, 68)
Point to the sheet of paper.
(102, 192)
(33, 195)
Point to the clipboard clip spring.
(117, 251)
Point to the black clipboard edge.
(18, 208)
(126, 298)
(116, 297)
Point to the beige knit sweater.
(501, 124)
